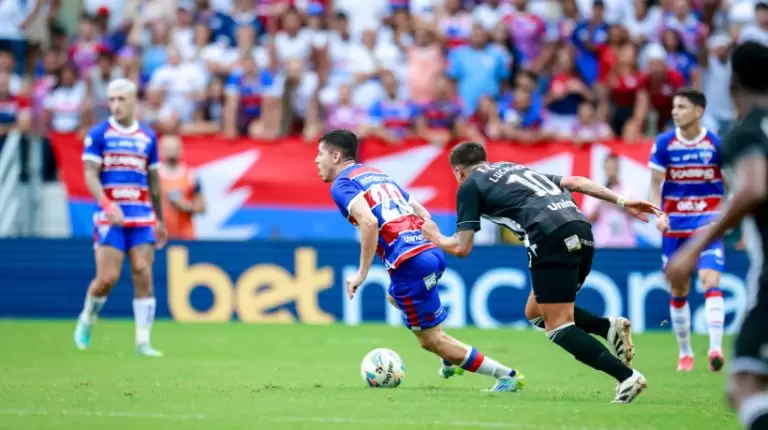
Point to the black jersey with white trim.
(529, 203)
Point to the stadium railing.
(10, 179)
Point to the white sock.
(753, 408)
(144, 314)
(680, 314)
(714, 309)
(476, 362)
(91, 308)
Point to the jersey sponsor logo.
(562, 204)
(127, 194)
(693, 173)
(691, 205)
(125, 161)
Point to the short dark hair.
(749, 63)
(694, 96)
(468, 154)
(343, 140)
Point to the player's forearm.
(655, 193)
(156, 194)
(93, 181)
(369, 236)
(586, 186)
(450, 245)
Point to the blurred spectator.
(501, 38)
(392, 118)
(184, 31)
(612, 226)
(84, 51)
(183, 84)
(297, 87)
(155, 53)
(622, 94)
(608, 54)
(615, 11)
(116, 11)
(757, 29)
(248, 97)
(363, 14)
(716, 66)
(479, 69)
(67, 107)
(566, 91)
(366, 60)
(400, 33)
(336, 68)
(96, 82)
(46, 78)
(14, 110)
(224, 24)
(589, 37)
(528, 81)
(344, 114)
(454, 24)
(490, 13)
(183, 196)
(534, 39)
(485, 122)
(660, 84)
(521, 117)
(15, 17)
(568, 22)
(209, 113)
(588, 129)
(683, 21)
(291, 42)
(425, 65)
(678, 58)
(7, 66)
(643, 21)
(158, 114)
(317, 26)
(442, 119)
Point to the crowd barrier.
(291, 282)
(271, 189)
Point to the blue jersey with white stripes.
(693, 185)
(126, 155)
(400, 236)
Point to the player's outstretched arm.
(421, 211)
(637, 208)
(460, 244)
(369, 237)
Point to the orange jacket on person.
(180, 188)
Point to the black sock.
(760, 423)
(590, 322)
(589, 351)
(753, 412)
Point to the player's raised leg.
(711, 264)
(617, 331)
(109, 242)
(141, 258)
(679, 311)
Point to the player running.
(121, 163)
(558, 238)
(389, 221)
(687, 184)
(746, 151)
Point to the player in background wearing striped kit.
(687, 183)
(121, 172)
(390, 227)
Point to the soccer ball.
(382, 367)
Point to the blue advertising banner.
(286, 282)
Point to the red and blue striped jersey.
(400, 235)
(693, 186)
(126, 154)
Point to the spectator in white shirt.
(158, 114)
(183, 33)
(643, 22)
(182, 82)
(291, 43)
(367, 59)
(298, 89)
(616, 11)
(336, 66)
(66, 107)
(490, 13)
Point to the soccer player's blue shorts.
(713, 256)
(123, 238)
(414, 288)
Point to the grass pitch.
(275, 377)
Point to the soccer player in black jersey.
(559, 241)
(745, 151)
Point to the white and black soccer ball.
(382, 368)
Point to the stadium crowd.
(525, 70)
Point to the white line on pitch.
(108, 414)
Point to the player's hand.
(353, 283)
(640, 209)
(112, 211)
(662, 222)
(430, 230)
(162, 235)
(680, 267)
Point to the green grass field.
(276, 377)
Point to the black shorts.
(561, 262)
(751, 348)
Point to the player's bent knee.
(709, 278)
